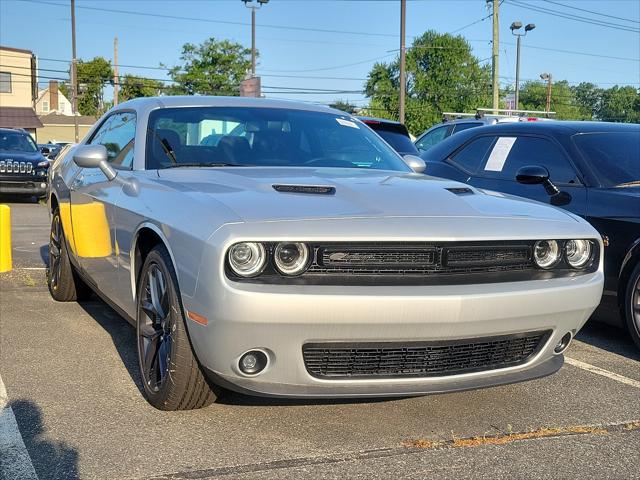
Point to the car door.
(94, 199)
(509, 152)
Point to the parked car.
(449, 126)
(394, 133)
(591, 169)
(301, 257)
(23, 169)
(51, 150)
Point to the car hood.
(33, 157)
(250, 193)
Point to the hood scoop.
(460, 191)
(307, 189)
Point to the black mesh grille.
(420, 359)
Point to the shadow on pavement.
(51, 459)
(607, 337)
(18, 199)
(44, 254)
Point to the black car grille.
(420, 359)
(419, 259)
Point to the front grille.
(420, 359)
(420, 259)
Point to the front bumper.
(281, 319)
(32, 186)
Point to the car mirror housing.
(532, 175)
(415, 163)
(94, 156)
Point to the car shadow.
(18, 199)
(51, 459)
(610, 338)
(44, 254)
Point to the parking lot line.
(601, 371)
(14, 458)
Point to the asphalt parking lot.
(73, 391)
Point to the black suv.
(23, 169)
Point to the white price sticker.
(347, 123)
(499, 154)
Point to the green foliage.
(442, 75)
(589, 98)
(216, 67)
(133, 86)
(344, 106)
(621, 104)
(533, 96)
(92, 77)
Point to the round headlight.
(546, 253)
(291, 258)
(247, 259)
(578, 252)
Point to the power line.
(591, 11)
(576, 18)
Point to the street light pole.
(515, 26)
(403, 14)
(547, 77)
(253, 7)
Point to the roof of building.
(19, 117)
(58, 119)
(19, 50)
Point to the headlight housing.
(247, 259)
(546, 253)
(43, 164)
(578, 252)
(291, 258)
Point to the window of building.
(45, 105)
(5, 82)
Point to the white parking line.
(15, 461)
(601, 371)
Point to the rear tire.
(170, 372)
(63, 281)
(632, 305)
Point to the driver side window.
(431, 138)
(117, 134)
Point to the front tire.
(63, 281)
(632, 305)
(170, 372)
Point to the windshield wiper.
(635, 183)
(205, 164)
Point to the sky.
(318, 46)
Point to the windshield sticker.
(347, 123)
(499, 154)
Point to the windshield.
(395, 137)
(614, 156)
(17, 142)
(242, 136)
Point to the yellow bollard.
(5, 238)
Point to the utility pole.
(515, 27)
(253, 42)
(495, 53)
(116, 77)
(403, 85)
(74, 73)
(547, 77)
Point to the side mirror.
(45, 151)
(94, 156)
(537, 174)
(415, 163)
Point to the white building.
(51, 100)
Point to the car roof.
(560, 127)
(378, 120)
(148, 103)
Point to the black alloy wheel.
(55, 251)
(632, 308)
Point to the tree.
(133, 86)
(620, 104)
(533, 96)
(589, 99)
(344, 106)
(442, 75)
(92, 77)
(216, 67)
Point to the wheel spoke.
(156, 289)
(150, 355)
(163, 356)
(149, 331)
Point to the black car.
(23, 168)
(589, 168)
(394, 133)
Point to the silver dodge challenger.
(283, 249)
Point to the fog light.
(563, 343)
(43, 185)
(252, 362)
